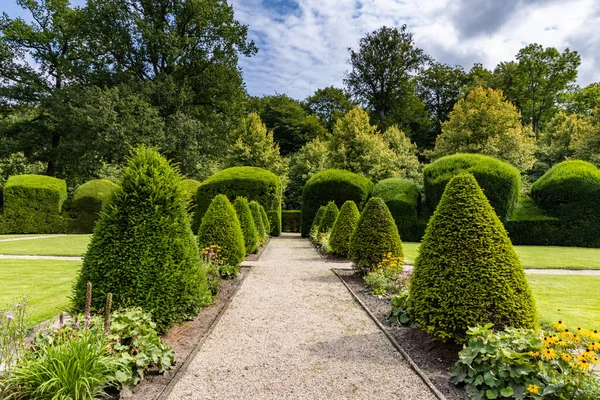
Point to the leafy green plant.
(525, 364)
(80, 369)
(13, 331)
(314, 229)
(229, 271)
(343, 228)
(377, 282)
(400, 304)
(212, 261)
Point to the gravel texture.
(294, 332)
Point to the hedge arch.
(33, 204)
(332, 185)
(403, 199)
(570, 191)
(500, 181)
(88, 200)
(250, 182)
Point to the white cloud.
(306, 48)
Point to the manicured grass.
(20, 236)
(572, 299)
(537, 256)
(47, 284)
(70, 245)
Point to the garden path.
(293, 331)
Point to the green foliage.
(190, 188)
(375, 237)
(528, 226)
(250, 182)
(314, 228)
(258, 222)
(220, 226)
(309, 160)
(500, 182)
(14, 327)
(291, 220)
(143, 250)
(332, 185)
(329, 104)
(524, 364)
(328, 218)
(403, 198)
(242, 210)
(80, 368)
(268, 220)
(376, 282)
(484, 123)
(87, 203)
(343, 228)
(570, 191)
(33, 203)
(467, 272)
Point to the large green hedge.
(375, 236)
(332, 185)
(242, 210)
(529, 226)
(343, 228)
(249, 182)
(291, 220)
(87, 203)
(501, 182)
(190, 188)
(403, 198)
(221, 226)
(33, 204)
(467, 272)
(570, 191)
(143, 250)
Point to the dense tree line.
(80, 85)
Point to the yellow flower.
(559, 326)
(594, 346)
(548, 340)
(587, 355)
(583, 365)
(562, 343)
(566, 334)
(595, 360)
(549, 354)
(533, 389)
(566, 357)
(534, 353)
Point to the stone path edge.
(180, 372)
(393, 341)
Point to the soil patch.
(435, 359)
(183, 339)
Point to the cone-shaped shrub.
(266, 222)
(375, 236)
(244, 215)
(317, 221)
(342, 229)
(258, 221)
(329, 216)
(143, 250)
(467, 272)
(221, 226)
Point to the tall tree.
(382, 76)
(439, 87)
(582, 100)
(329, 104)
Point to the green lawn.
(572, 299)
(537, 256)
(46, 283)
(70, 245)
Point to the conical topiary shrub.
(242, 209)
(317, 221)
(329, 216)
(342, 229)
(258, 221)
(467, 272)
(221, 226)
(143, 250)
(375, 236)
(266, 222)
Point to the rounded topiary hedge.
(403, 199)
(328, 218)
(530, 226)
(249, 182)
(375, 236)
(332, 185)
(33, 204)
(258, 222)
(501, 182)
(291, 220)
(190, 188)
(143, 250)
(88, 200)
(570, 191)
(242, 209)
(343, 228)
(467, 272)
(221, 226)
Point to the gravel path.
(294, 332)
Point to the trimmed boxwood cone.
(329, 216)
(342, 229)
(244, 214)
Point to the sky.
(303, 44)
